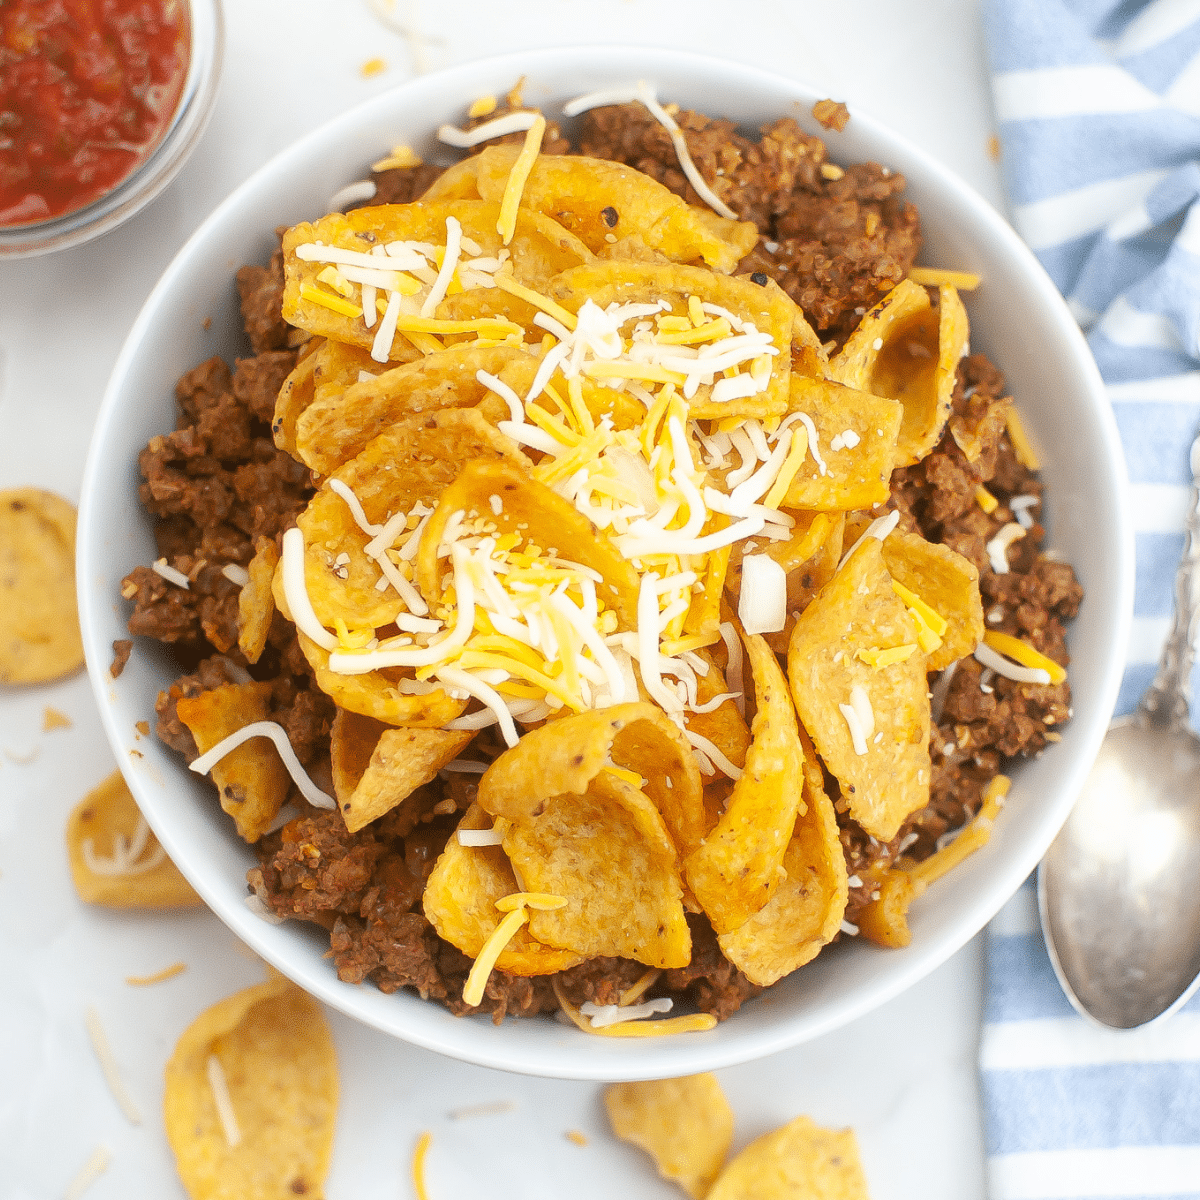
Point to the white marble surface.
(904, 1076)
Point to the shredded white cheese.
(278, 735)
(602, 1015)
(353, 193)
(514, 122)
(91, 1170)
(161, 567)
(997, 548)
(224, 1104)
(858, 735)
(295, 588)
(126, 852)
(108, 1065)
(1010, 670)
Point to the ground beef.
(122, 649)
(260, 290)
(710, 981)
(835, 239)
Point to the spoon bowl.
(1117, 890)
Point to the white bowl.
(1017, 317)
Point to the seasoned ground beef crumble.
(836, 240)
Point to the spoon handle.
(1166, 700)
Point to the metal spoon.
(1119, 890)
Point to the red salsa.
(87, 90)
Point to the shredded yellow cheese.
(930, 616)
(689, 1023)
(157, 977)
(492, 948)
(337, 304)
(1021, 444)
(573, 1135)
(627, 776)
(418, 1165)
(878, 658)
(636, 990)
(484, 106)
(401, 156)
(967, 842)
(506, 283)
(515, 186)
(791, 464)
(542, 901)
(1025, 654)
(965, 281)
(986, 500)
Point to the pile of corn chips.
(583, 485)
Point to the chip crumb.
(122, 648)
(833, 114)
(206, 324)
(373, 66)
(579, 1139)
(52, 718)
(993, 148)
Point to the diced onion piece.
(480, 837)
(278, 735)
(762, 601)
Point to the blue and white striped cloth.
(1098, 103)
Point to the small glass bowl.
(137, 189)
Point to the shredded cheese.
(985, 499)
(989, 657)
(108, 1065)
(157, 977)
(878, 658)
(858, 736)
(125, 857)
(418, 1165)
(1022, 446)
(485, 961)
(278, 735)
(97, 1163)
(295, 589)
(219, 1088)
(161, 567)
(605, 1015)
(964, 281)
(997, 548)
(515, 186)
(464, 139)
(1025, 654)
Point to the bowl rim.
(197, 99)
(466, 1039)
